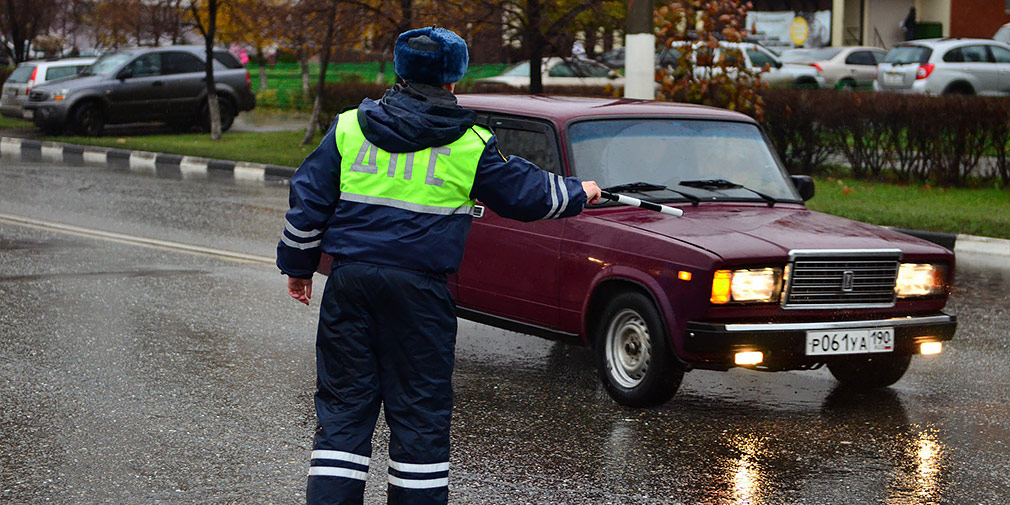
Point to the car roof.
(63, 61)
(562, 109)
(949, 42)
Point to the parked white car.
(757, 58)
(558, 72)
(942, 66)
(842, 67)
(34, 73)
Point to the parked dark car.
(142, 85)
(747, 277)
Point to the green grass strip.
(974, 211)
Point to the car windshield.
(21, 74)
(107, 64)
(518, 70)
(667, 151)
(908, 54)
(807, 55)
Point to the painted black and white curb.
(196, 168)
(189, 167)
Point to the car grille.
(842, 279)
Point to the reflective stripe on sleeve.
(418, 483)
(554, 196)
(298, 245)
(299, 233)
(400, 204)
(332, 471)
(418, 467)
(341, 456)
(563, 188)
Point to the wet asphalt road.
(139, 375)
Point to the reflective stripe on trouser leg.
(347, 393)
(416, 330)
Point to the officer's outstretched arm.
(315, 189)
(518, 189)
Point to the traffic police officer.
(389, 194)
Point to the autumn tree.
(256, 23)
(204, 15)
(706, 73)
(22, 21)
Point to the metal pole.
(640, 51)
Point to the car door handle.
(157, 83)
(478, 211)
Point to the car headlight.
(61, 94)
(748, 285)
(920, 279)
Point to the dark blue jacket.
(408, 119)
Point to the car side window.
(589, 69)
(878, 57)
(58, 72)
(860, 58)
(146, 65)
(531, 140)
(975, 54)
(1000, 54)
(180, 63)
(759, 59)
(954, 56)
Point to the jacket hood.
(412, 117)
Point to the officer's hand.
(592, 192)
(300, 289)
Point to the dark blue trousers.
(386, 337)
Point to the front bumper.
(47, 113)
(784, 344)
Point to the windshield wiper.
(711, 184)
(641, 187)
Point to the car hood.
(755, 233)
(71, 82)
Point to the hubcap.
(628, 349)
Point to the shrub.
(5, 72)
(793, 123)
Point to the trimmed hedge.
(945, 140)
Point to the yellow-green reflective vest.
(436, 180)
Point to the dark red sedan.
(748, 276)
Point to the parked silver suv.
(35, 73)
(142, 85)
(937, 66)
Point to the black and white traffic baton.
(635, 202)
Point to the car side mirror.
(125, 73)
(804, 185)
(777, 64)
(613, 74)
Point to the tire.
(805, 84)
(959, 88)
(871, 372)
(227, 115)
(846, 85)
(88, 119)
(634, 359)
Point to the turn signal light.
(931, 348)
(749, 358)
(721, 285)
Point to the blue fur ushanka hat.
(432, 55)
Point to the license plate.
(893, 79)
(27, 114)
(861, 341)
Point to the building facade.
(872, 22)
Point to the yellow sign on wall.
(799, 30)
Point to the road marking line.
(134, 240)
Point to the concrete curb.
(195, 168)
(189, 167)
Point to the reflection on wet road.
(131, 375)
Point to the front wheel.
(88, 119)
(871, 372)
(636, 365)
